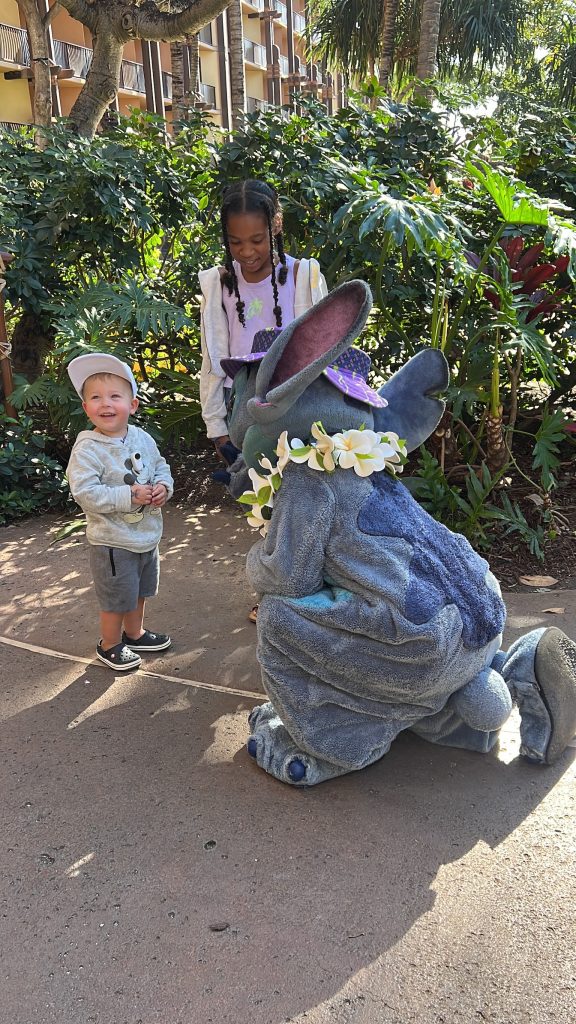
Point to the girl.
(260, 286)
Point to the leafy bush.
(461, 223)
(30, 481)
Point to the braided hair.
(253, 196)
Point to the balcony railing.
(208, 94)
(132, 76)
(257, 3)
(253, 104)
(167, 85)
(68, 55)
(299, 23)
(205, 35)
(255, 53)
(12, 126)
(277, 5)
(14, 45)
(284, 66)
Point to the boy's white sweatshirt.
(96, 473)
(215, 339)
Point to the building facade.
(275, 67)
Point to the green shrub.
(30, 481)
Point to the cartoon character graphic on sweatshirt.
(373, 617)
(138, 473)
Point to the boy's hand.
(159, 495)
(141, 494)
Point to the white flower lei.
(364, 451)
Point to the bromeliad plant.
(514, 290)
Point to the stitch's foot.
(274, 750)
(555, 670)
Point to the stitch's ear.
(306, 347)
(412, 410)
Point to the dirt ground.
(152, 874)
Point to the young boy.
(120, 480)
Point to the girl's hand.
(159, 495)
(141, 494)
(218, 442)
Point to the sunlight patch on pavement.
(74, 870)
(226, 740)
(194, 683)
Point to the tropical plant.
(30, 480)
(458, 38)
(109, 235)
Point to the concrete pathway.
(152, 873)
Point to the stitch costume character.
(373, 618)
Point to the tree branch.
(83, 10)
(158, 26)
(132, 21)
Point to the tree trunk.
(41, 71)
(388, 41)
(194, 58)
(101, 85)
(429, 34)
(237, 79)
(30, 346)
(177, 63)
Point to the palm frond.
(348, 31)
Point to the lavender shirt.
(258, 299)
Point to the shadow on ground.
(154, 874)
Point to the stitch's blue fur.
(442, 563)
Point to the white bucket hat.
(99, 362)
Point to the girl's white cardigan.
(214, 336)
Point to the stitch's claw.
(252, 747)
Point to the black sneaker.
(148, 641)
(120, 657)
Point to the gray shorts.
(122, 577)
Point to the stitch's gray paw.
(274, 750)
